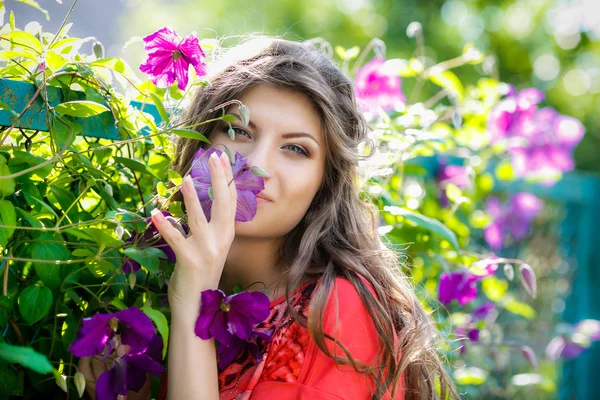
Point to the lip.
(263, 198)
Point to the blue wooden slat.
(16, 95)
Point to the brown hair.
(338, 232)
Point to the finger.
(232, 187)
(172, 236)
(221, 206)
(84, 366)
(195, 214)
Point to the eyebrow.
(286, 135)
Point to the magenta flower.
(541, 141)
(455, 174)
(223, 317)
(247, 184)
(462, 285)
(377, 88)
(129, 327)
(169, 57)
(152, 238)
(483, 311)
(513, 218)
(129, 371)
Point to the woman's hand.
(201, 256)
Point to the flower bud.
(413, 29)
(132, 279)
(61, 382)
(509, 271)
(79, 383)
(244, 114)
(528, 279)
(530, 356)
(98, 50)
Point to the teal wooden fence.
(577, 193)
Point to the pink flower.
(169, 57)
(377, 88)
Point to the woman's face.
(284, 138)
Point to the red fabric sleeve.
(321, 378)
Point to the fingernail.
(188, 180)
(157, 215)
(213, 157)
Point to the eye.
(298, 150)
(236, 130)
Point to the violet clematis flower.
(513, 218)
(584, 334)
(129, 371)
(224, 317)
(97, 333)
(484, 311)
(247, 184)
(228, 353)
(151, 238)
(462, 285)
(169, 57)
(377, 88)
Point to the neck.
(250, 261)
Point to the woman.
(345, 322)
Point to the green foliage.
(69, 203)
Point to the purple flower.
(583, 334)
(97, 333)
(542, 141)
(151, 238)
(247, 184)
(223, 317)
(377, 88)
(227, 353)
(169, 57)
(513, 218)
(455, 174)
(484, 311)
(129, 371)
(462, 285)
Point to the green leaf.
(470, 376)
(520, 308)
(81, 108)
(135, 166)
(494, 288)
(161, 324)
(8, 217)
(449, 81)
(64, 132)
(24, 39)
(160, 107)
(174, 177)
(147, 257)
(26, 356)
(190, 134)
(9, 380)
(229, 118)
(50, 274)
(7, 186)
(103, 237)
(161, 189)
(432, 225)
(34, 303)
(34, 4)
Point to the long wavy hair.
(337, 236)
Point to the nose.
(260, 156)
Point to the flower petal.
(210, 307)
(138, 330)
(246, 206)
(113, 381)
(164, 38)
(92, 337)
(180, 69)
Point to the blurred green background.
(553, 45)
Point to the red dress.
(293, 367)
